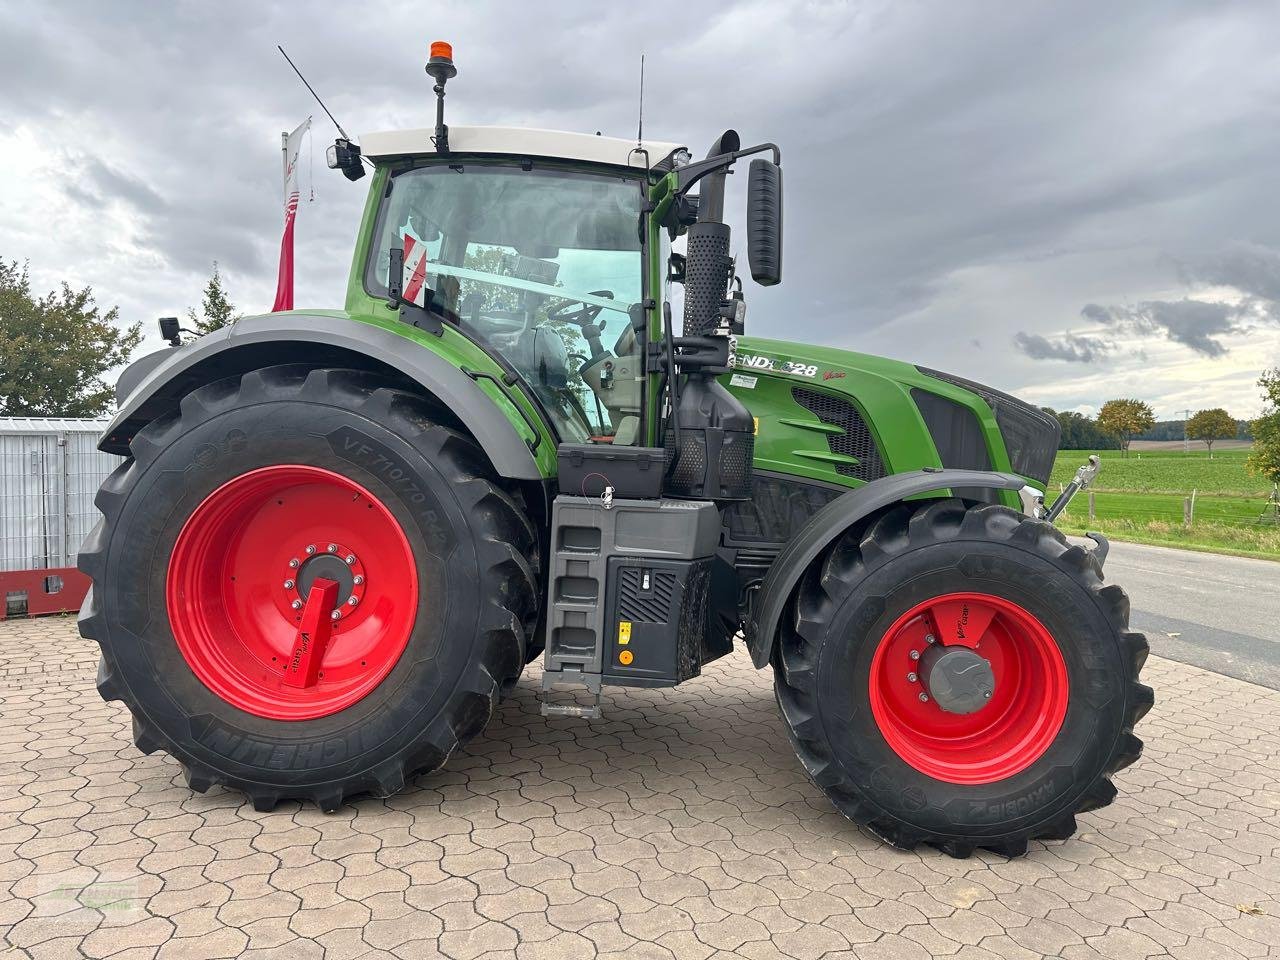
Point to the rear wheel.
(304, 587)
(960, 676)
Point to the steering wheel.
(583, 318)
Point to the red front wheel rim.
(1011, 730)
(292, 592)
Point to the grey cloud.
(1254, 271)
(92, 183)
(1193, 323)
(1070, 347)
(122, 186)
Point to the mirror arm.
(689, 175)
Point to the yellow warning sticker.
(624, 632)
(625, 657)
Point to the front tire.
(304, 587)
(1017, 735)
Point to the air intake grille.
(648, 606)
(856, 441)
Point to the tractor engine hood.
(907, 408)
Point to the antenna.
(313, 92)
(640, 128)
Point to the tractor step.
(571, 710)
(579, 683)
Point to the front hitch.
(1084, 476)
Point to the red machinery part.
(996, 741)
(292, 592)
(38, 592)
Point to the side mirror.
(764, 221)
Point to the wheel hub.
(968, 688)
(332, 562)
(957, 678)
(292, 592)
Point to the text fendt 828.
(339, 536)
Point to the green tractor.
(339, 536)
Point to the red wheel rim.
(292, 592)
(1015, 726)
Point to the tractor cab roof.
(519, 141)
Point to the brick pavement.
(678, 826)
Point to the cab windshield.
(542, 266)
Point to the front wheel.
(960, 676)
(305, 587)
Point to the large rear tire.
(306, 588)
(1007, 741)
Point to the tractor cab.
(529, 243)
(551, 252)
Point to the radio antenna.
(640, 128)
(313, 92)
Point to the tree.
(216, 308)
(1081, 433)
(55, 349)
(1210, 426)
(1264, 460)
(1124, 418)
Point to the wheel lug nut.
(352, 601)
(351, 558)
(288, 584)
(915, 654)
(911, 678)
(311, 548)
(297, 604)
(357, 580)
(924, 698)
(294, 563)
(332, 548)
(335, 615)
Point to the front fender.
(833, 520)
(157, 382)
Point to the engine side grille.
(856, 441)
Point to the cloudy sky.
(1068, 201)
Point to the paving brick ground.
(680, 825)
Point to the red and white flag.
(284, 283)
(414, 282)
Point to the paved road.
(1219, 613)
(678, 827)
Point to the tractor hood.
(912, 417)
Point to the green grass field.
(1140, 498)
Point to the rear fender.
(156, 383)
(829, 523)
